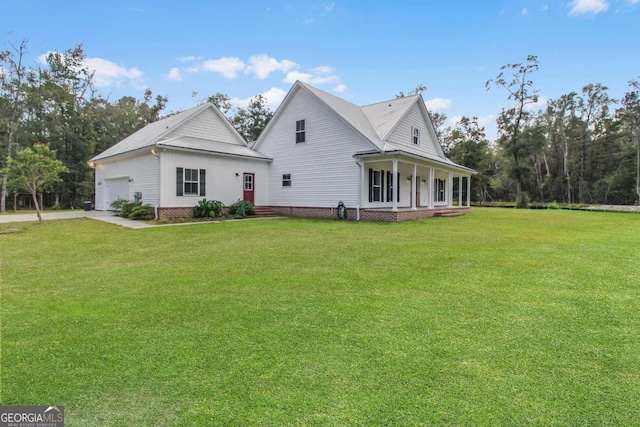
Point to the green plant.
(123, 207)
(208, 209)
(522, 201)
(553, 205)
(144, 212)
(242, 208)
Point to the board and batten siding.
(142, 172)
(206, 125)
(323, 170)
(402, 135)
(224, 178)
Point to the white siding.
(141, 170)
(402, 135)
(323, 170)
(206, 125)
(222, 183)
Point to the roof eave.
(372, 154)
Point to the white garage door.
(117, 188)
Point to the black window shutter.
(179, 182)
(389, 186)
(398, 189)
(370, 185)
(382, 186)
(203, 180)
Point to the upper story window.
(286, 180)
(300, 136)
(415, 136)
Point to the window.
(286, 180)
(190, 182)
(439, 189)
(300, 137)
(416, 136)
(377, 186)
(248, 182)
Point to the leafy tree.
(468, 146)
(630, 116)
(13, 75)
(34, 169)
(220, 100)
(415, 91)
(515, 79)
(250, 122)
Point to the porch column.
(414, 189)
(460, 191)
(469, 191)
(450, 189)
(396, 186)
(430, 188)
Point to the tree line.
(56, 103)
(583, 147)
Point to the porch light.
(409, 177)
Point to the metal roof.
(384, 116)
(153, 133)
(219, 147)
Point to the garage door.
(117, 188)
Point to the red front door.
(248, 185)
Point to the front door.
(248, 185)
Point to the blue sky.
(363, 51)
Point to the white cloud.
(535, 106)
(174, 75)
(187, 58)
(634, 1)
(274, 97)
(228, 67)
(593, 7)
(263, 65)
(108, 73)
(524, 12)
(310, 78)
(438, 104)
(340, 88)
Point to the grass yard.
(501, 317)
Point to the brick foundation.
(369, 214)
(175, 212)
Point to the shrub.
(553, 205)
(123, 207)
(523, 201)
(145, 212)
(242, 208)
(208, 208)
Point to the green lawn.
(502, 317)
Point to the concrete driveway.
(97, 215)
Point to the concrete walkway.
(97, 215)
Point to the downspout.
(156, 153)
(360, 172)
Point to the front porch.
(406, 186)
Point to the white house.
(383, 161)
(177, 161)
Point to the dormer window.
(415, 137)
(300, 136)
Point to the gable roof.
(374, 122)
(157, 133)
(385, 116)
